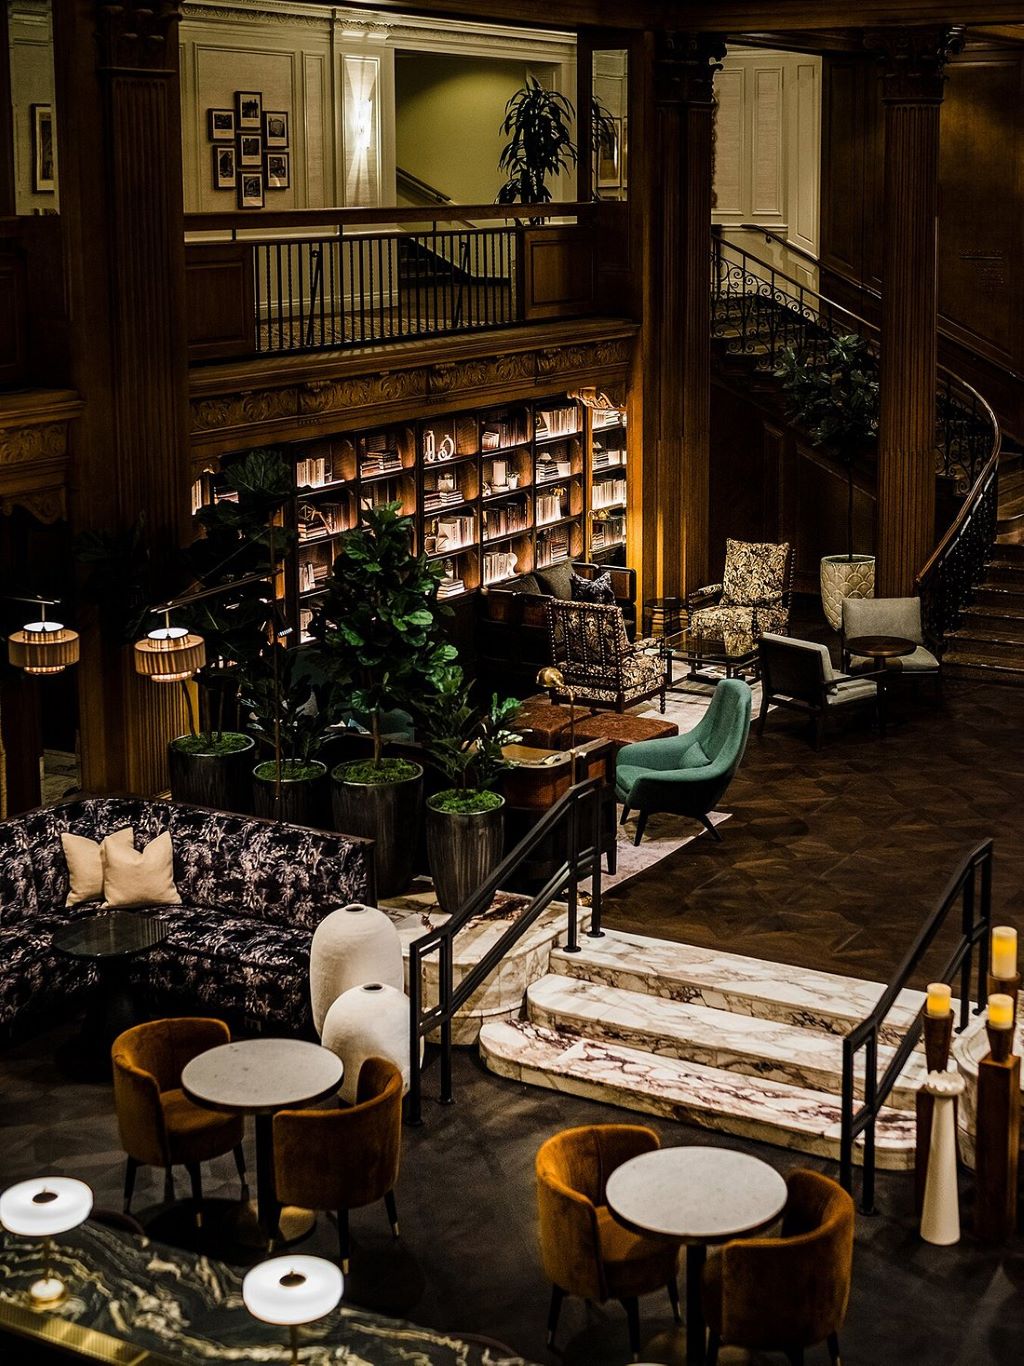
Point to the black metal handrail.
(970, 887)
(580, 860)
(957, 565)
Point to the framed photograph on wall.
(249, 110)
(608, 154)
(275, 129)
(279, 172)
(250, 190)
(220, 125)
(225, 168)
(44, 170)
(250, 150)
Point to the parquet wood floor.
(832, 859)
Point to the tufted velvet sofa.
(252, 894)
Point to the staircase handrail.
(772, 236)
(969, 885)
(431, 193)
(579, 860)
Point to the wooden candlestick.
(997, 1144)
(1008, 986)
(938, 1035)
(1000, 1043)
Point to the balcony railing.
(313, 280)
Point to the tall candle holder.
(1005, 986)
(998, 1126)
(938, 1037)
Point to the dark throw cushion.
(597, 590)
(557, 580)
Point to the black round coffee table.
(109, 940)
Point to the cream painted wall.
(31, 58)
(448, 112)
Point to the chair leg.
(555, 1308)
(663, 701)
(833, 1349)
(673, 1299)
(714, 1342)
(819, 730)
(195, 1175)
(625, 815)
(763, 715)
(709, 827)
(392, 1209)
(131, 1167)
(239, 1156)
(641, 826)
(168, 1185)
(632, 1308)
(343, 1242)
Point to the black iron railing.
(947, 582)
(970, 889)
(363, 288)
(577, 819)
(763, 312)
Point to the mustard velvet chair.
(346, 1158)
(786, 1293)
(159, 1127)
(584, 1249)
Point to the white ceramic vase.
(369, 1021)
(350, 946)
(845, 578)
(940, 1213)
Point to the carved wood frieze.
(33, 460)
(363, 391)
(560, 360)
(482, 372)
(33, 442)
(250, 408)
(913, 61)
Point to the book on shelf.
(450, 588)
(505, 520)
(550, 469)
(553, 422)
(453, 532)
(607, 532)
(549, 508)
(498, 433)
(552, 547)
(607, 417)
(313, 472)
(608, 493)
(499, 565)
(319, 519)
(607, 459)
(382, 462)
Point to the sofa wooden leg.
(641, 825)
(239, 1156)
(131, 1167)
(555, 1308)
(763, 715)
(195, 1176)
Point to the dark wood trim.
(381, 217)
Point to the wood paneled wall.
(981, 211)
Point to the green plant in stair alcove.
(537, 123)
(466, 742)
(834, 396)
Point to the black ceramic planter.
(463, 848)
(388, 813)
(222, 781)
(303, 800)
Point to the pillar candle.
(1004, 952)
(1000, 1011)
(939, 999)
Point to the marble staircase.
(716, 1039)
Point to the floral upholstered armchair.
(754, 594)
(601, 666)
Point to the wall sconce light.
(363, 121)
(170, 654)
(43, 647)
(42, 1208)
(291, 1291)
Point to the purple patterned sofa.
(252, 891)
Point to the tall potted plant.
(241, 541)
(381, 645)
(465, 822)
(285, 715)
(834, 398)
(537, 125)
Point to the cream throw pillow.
(85, 868)
(134, 879)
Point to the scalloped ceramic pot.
(842, 577)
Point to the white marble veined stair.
(728, 1042)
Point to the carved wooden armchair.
(754, 595)
(600, 665)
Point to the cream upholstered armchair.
(754, 594)
(600, 665)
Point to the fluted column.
(119, 130)
(677, 312)
(913, 75)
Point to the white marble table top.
(259, 1076)
(696, 1194)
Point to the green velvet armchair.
(687, 774)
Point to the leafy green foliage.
(465, 803)
(379, 622)
(279, 693)
(835, 399)
(465, 741)
(366, 771)
(228, 742)
(540, 144)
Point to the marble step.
(755, 1108)
(730, 981)
(715, 1038)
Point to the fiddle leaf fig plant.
(537, 123)
(466, 742)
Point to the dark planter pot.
(462, 850)
(222, 781)
(389, 814)
(303, 800)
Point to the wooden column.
(676, 361)
(913, 62)
(119, 126)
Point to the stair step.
(1004, 618)
(760, 1109)
(971, 637)
(730, 981)
(715, 1038)
(974, 664)
(1005, 571)
(999, 595)
(1011, 553)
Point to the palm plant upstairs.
(540, 143)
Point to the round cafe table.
(880, 648)
(696, 1196)
(260, 1077)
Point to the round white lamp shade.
(45, 1206)
(292, 1290)
(368, 1021)
(351, 946)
